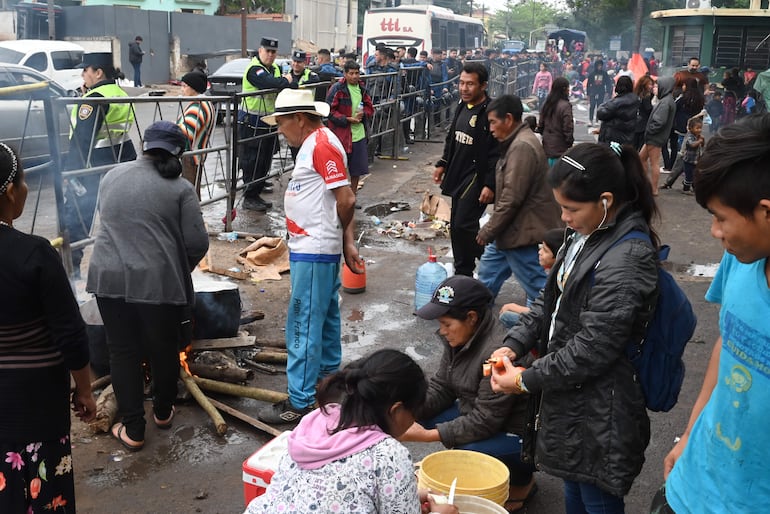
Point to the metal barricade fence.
(400, 101)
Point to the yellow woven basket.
(477, 474)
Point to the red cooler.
(259, 468)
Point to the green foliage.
(519, 19)
(253, 6)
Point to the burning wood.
(218, 372)
(271, 356)
(216, 417)
(246, 418)
(265, 395)
(187, 379)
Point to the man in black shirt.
(466, 170)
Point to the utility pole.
(51, 20)
(244, 39)
(638, 16)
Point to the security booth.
(32, 19)
(719, 37)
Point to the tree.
(517, 21)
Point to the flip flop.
(165, 424)
(118, 432)
(523, 501)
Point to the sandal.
(165, 424)
(522, 501)
(119, 432)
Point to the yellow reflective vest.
(258, 104)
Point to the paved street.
(189, 469)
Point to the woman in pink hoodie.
(344, 457)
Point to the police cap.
(269, 42)
(101, 60)
(298, 55)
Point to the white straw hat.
(291, 101)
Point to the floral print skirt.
(37, 477)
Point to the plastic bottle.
(429, 276)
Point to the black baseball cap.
(166, 135)
(456, 292)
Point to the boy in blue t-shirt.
(720, 463)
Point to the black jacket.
(618, 117)
(470, 151)
(593, 419)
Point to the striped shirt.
(196, 122)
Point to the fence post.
(233, 121)
(52, 126)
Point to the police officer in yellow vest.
(99, 136)
(257, 156)
(300, 73)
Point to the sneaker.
(688, 192)
(267, 189)
(282, 412)
(666, 186)
(664, 171)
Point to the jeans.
(137, 74)
(313, 330)
(503, 446)
(496, 266)
(509, 319)
(582, 498)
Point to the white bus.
(421, 26)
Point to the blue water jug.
(429, 276)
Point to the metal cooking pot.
(217, 310)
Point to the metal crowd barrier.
(404, 101)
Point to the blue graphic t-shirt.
(724, 467)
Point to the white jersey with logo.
(315, 231)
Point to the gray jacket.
(662, 117)
(524, 205)
(593, 419)
(459, 378)
(150, 237)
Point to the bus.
(422, 26)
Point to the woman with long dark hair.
(345, 456)
(43, 343)
(598, 298)
(689, 103)
(645, 91)
(556, 123)
(151, 237)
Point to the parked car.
(228, 79)
(56, 60)
(22, 124)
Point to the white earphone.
(604, 202)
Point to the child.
(693, 147)
(531, 122)
(720, 461)
(547, 250)
(715, 110)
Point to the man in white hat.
(319, 205)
